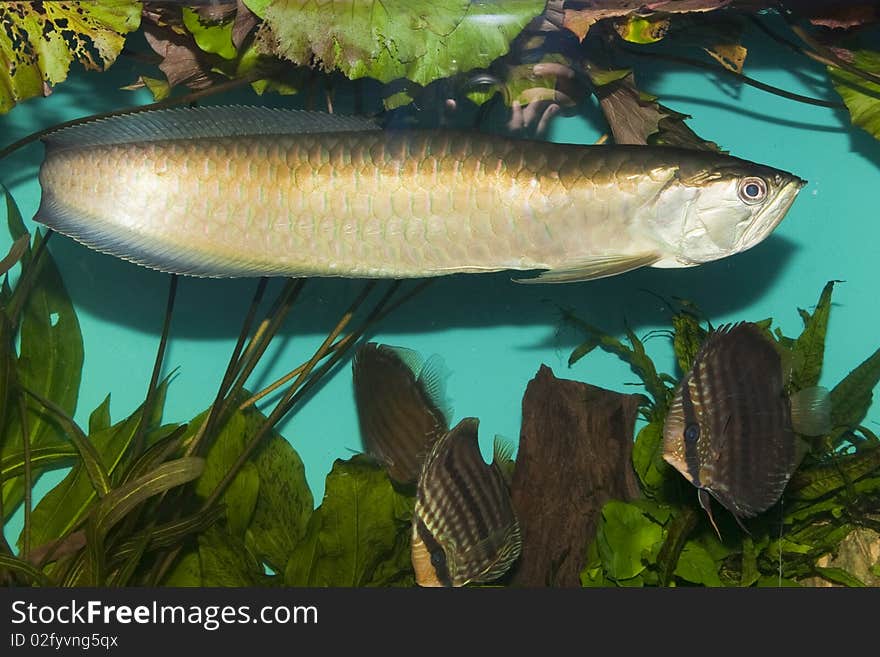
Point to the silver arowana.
(238, 191)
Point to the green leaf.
(809, 349)
(643, 29)
(582, 350)
(23, 568)
(240, 497)
(862, 98)
(63, 507)
(687, 338)
(211, 36)
(652, 470)
(627, 539)
(283, 506)
(124, 499)
(187, 571)
(355, 532)
(824, 478)
(49, 363)
(839, 576)
(677, 534)
(225, 560)
(39, 41)
(851, 398)
(100, 417)
(696, 565)
(749, 573)
(419, 40)
(41, 458)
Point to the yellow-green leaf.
(862, 98)
(39, 40)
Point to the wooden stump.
(575, 454)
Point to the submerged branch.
(776, 91)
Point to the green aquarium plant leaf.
(697, 566)
(687, 338)
(25, 568)
(284, 504)
(808, 351)
(39, 40)
(66, 505)
(100, 417)
(213, 37)
(355, 532)
(41, 458)
(862, 98)
(187, 570)
(851, 398)
(627, 540)
(50, 356)
(647, 457)
(422, 41)
(224, 560)
(839, 576)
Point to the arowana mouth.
(770, 217)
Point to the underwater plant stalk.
(28, 479)
(29, 275)
(282, 407)
(343, 343)
(776, 91)
(149, 402)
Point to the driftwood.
(574, 455)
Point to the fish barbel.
(237, 191)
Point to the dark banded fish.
(464, 526)
(732, 430)
(400, 404)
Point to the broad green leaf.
(419, 40)
(283, 506)
(50, 357)
(187, 571)
(63, 507)
(647, 457)
(809, 348)
(16, 253)
(169, 533)
(211, 36)
(627, 539)
(696, 565)
(240, 497)
(258, 7)
(851, 398)
(582, 350)
(839, 576)
(355, 532)
(39, 41)
(100, 417)
(862, 98)
(225, 560)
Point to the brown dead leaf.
(181, 60)
(731, 56)
(578, 21)
(846, 16)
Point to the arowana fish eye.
(752, 190)
(692, 432)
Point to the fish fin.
(594, 267)
(203, 122)
(432, 378)
(409, 357)
(706, 503)
(811, 411)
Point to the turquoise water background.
(492, 333)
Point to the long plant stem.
(141, 431)
(687, 61)
(28, 479)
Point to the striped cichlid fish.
(401, 406)
(245, 191)
(732, 430)
(464, 526)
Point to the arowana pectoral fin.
(594, 267)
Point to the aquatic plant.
(534, 56)
(832, 497)
(215, 501)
